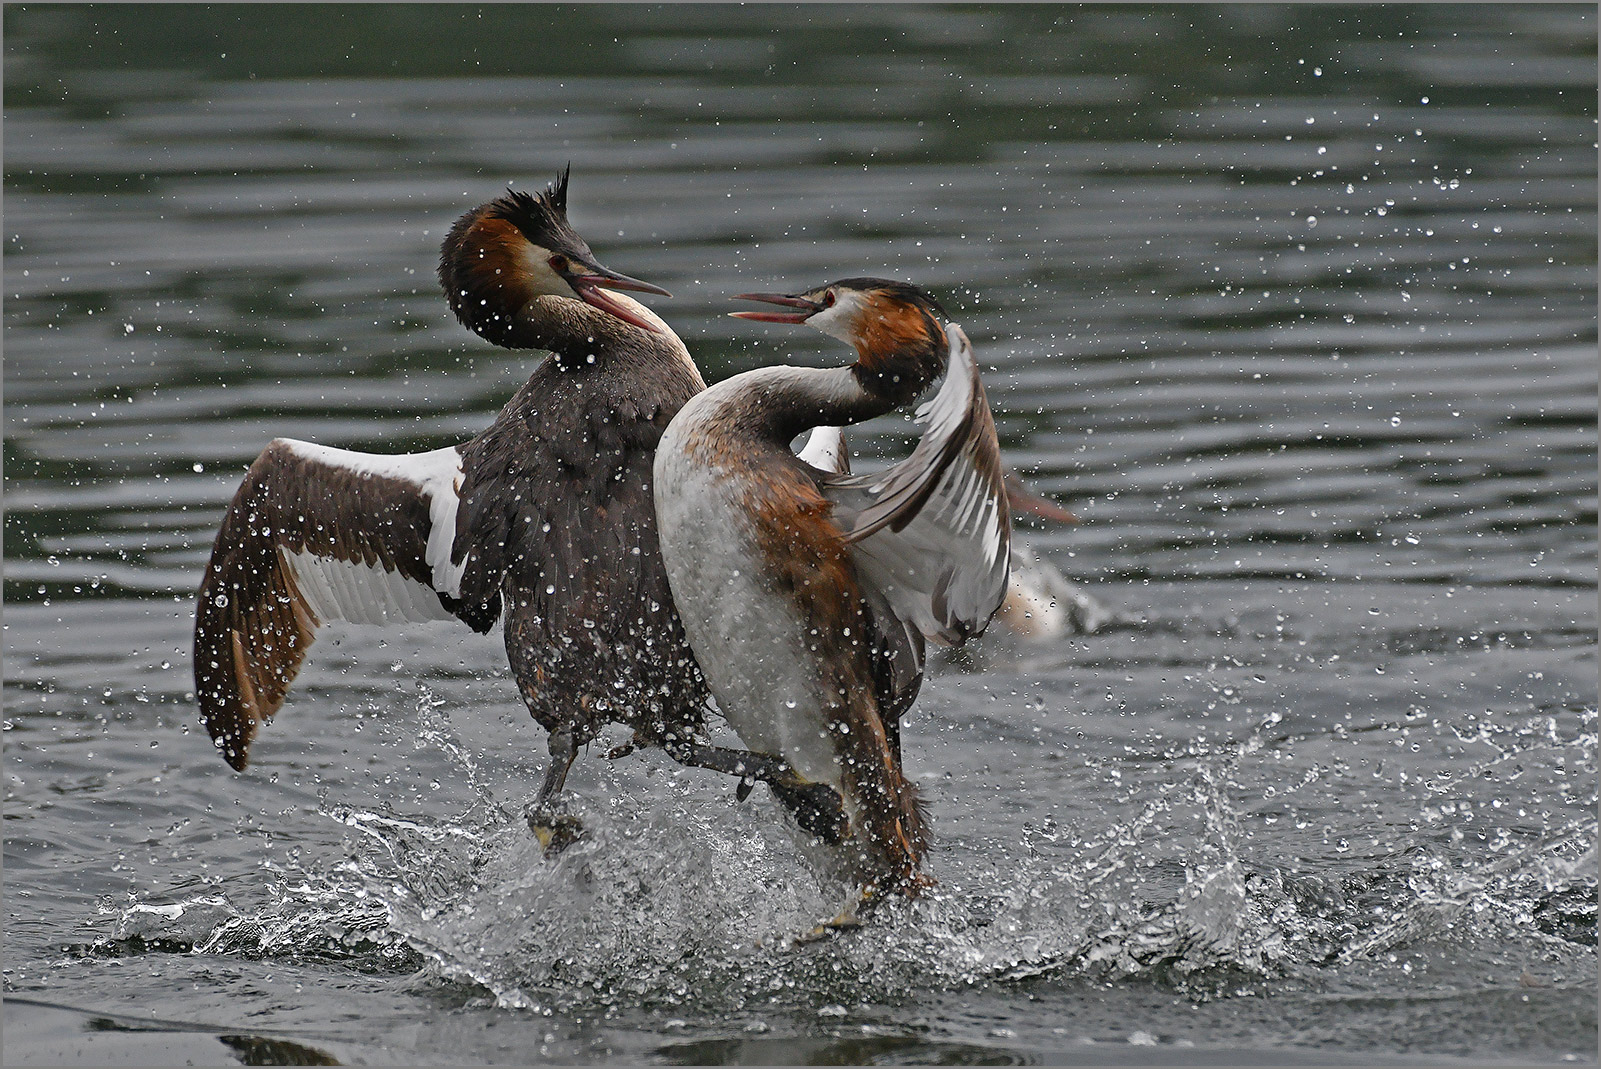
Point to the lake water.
(1296, 307)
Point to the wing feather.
(826, 451)
(933, 532)
(316, 534)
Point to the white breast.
(748, 639)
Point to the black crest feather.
(542, 217)
(900, 291)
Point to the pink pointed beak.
(590, 289)
(810, 308)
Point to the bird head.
(504, 254)
(896, 328)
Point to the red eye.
(558, 264)
(828, 299)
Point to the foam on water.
(678, 902)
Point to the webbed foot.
(555, 831)
(850, 917)
(826, 929)
(817, 808)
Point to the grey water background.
(1296, 307)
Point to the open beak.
(809, 307)
(1025, 502)
(596, 280)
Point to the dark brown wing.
(317, 534)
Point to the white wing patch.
(963, 504)
(362, 594)
(825, 449)
(437, 475)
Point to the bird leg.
(555, 830)
(856, 907)
(741, 763)
(817, 808)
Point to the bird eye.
(828, 299)
(558, 264)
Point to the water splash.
(1517, 885)
(690, 901)
(317, 919)
(679, 901)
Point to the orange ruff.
(887, 329)
(493, 251)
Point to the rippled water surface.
(1295, 307)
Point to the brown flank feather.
(808, 560)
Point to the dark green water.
(1295, 306)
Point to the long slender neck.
(580, 335)
(777, 404)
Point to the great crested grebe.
(545, 517)
(808, 595)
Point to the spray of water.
(675, 899)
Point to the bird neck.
(581, 336)
(780, 403)
(896, 365)
(777, 404)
